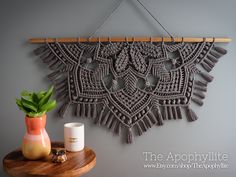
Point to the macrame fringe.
(139, 129)
(212, 57)
(159, 117)
(118, 128)
(201, 88)
(63, 109)
(201, 83)
(54, 64)
(40, 50)
(109, 121)
(143, 125)
(178, 109)
(148, 122)
(152, 117)
(206, 67)
(191, 115)
(199, 94)
(99, 117)
(220, 50)
(113, 125)
(197, 101)
(206, 76)
(174, 112)
(47, 58)
(165, 113)
(170, 112)
(85, 110)
(62, 94)
(94, 111)
(215, 54)
(104, 121)
(129, 136)
(54, 75)
(77, 110)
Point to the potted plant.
(36, 143)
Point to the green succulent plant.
(36, 104)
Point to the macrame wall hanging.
(130, 83)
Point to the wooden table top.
(77, 164)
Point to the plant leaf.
(28, 104)
(46, 97)
(41, 94)
(25, 93)
(35, 98)
(48, 106)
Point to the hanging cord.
(117, 7)
(106, 19)
(155, 19)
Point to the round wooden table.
(77, 164)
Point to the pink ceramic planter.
(36, 142)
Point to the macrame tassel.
(220, 50)
(159, 117)
(55, 65)
(60, 87)
(199, 94)
(191, 115)
(212, 58)
(113, 126)
(77, 111)
(152, 117)
(201, 83)
(109, 121)
(63, 109)
(148, 121)
(144, 127)
(118, 128)
(197, 101)
(83, 110)
(178, 110)
(53, 75)
(104, 121)
(129, 136)
(88, 111)
(139, 129)
(48, 58)
(61, 95)
(174, 112)
(201, 88)
(99, 118)
(40, 50)
(170, 115)
(45, 54)
(209, 63)
(60, 81)
(206, 76)
(206, 67)
(215, 54)
(165, 113)
(52, 64)
(94, 111)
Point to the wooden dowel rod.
(130, 39)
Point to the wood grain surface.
(77, 164)
(131, 39)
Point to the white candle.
(74, 136)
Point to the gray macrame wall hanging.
(130, 85)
